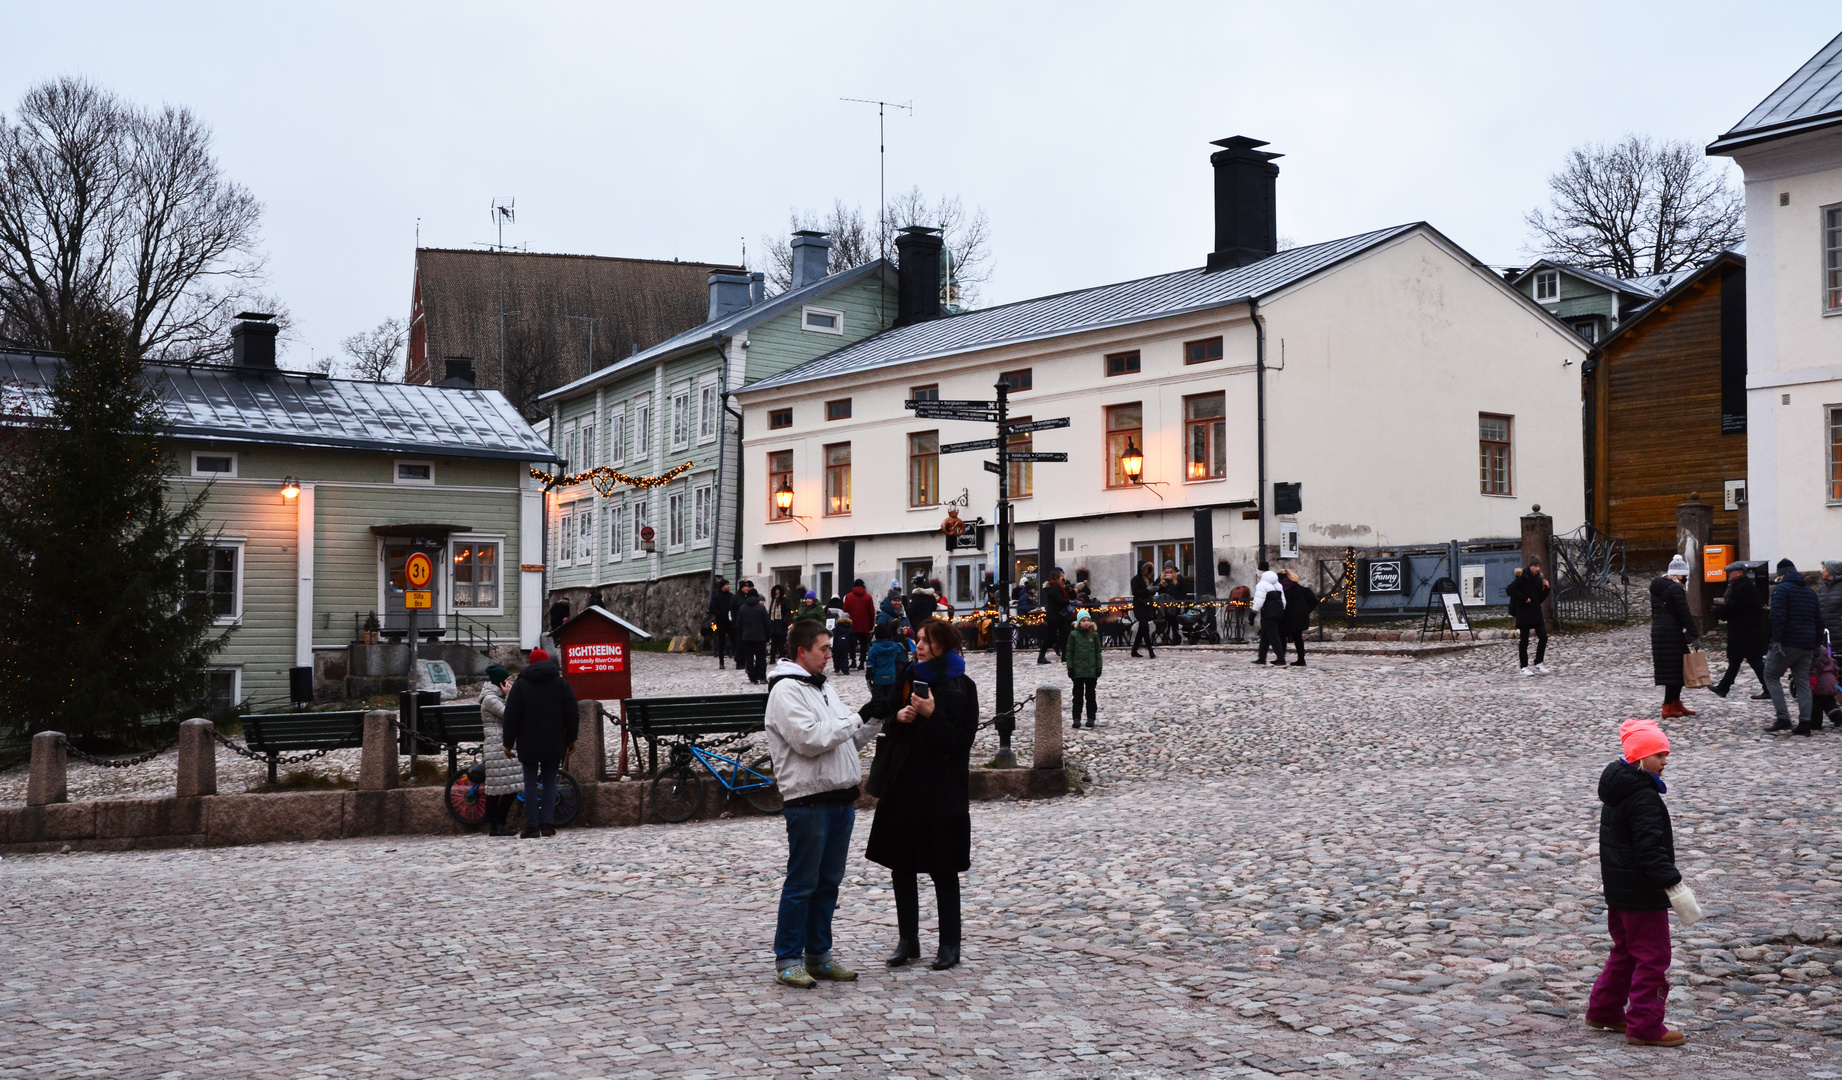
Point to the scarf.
(941, 669)
(1662, 788)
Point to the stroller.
(1196, 623)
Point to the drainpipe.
(722, 454)
(1253, 312)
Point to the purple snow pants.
(1637, 971)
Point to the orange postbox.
(1714, 560)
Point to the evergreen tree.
(99, 633)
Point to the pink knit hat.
(1642, 737)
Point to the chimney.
(729, 291)
(811, 257)
(252, 340)
(918, 275)
(757, 288)
(457, 372)
(1246, 229)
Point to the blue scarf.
(940, 669)
(1662, 789)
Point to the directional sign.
(976, 444)
(1036, 457)
(419, 570)
(1037, 425)
(418, 598)
(993, 467)
(956, 414)
(932, 404)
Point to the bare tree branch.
(855, 241)
(376, 354)
(1638, 207)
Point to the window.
(930, 392)
(1124, 427)
(1023, 478)
(566, 534)
(585, 531)
(779, 474)
(1547, 286)
(476, 574)
(681, 419)
(1493, 454)
(571, 448)
(838, 479)
(706, 412)
(213, 464)
(617, 435)
(823, 321)
(223, 689)
(1832, 259)
(1201, 352)
(214, 576)
(590, 451)
(415, 472)
(642, 430)
(1205, 428)
(1122, 363)
(1586, 328)
(779, 418)
(924, 469)
(838, 410)
(674, 520)
(703, 515)
(1835, 453)
(1180, 553)
(613, 514)
(642, 520)
(1017, 380)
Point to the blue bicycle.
(678, 792)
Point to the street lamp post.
(1006, 758)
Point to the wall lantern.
(783, 498)
(290, 488)
(1132, 462)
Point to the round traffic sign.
(419, 570)
(646, 533)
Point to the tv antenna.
(882, 169)
(503, 214)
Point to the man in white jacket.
(815, 741)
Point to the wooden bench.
(451, 725)
(275, 734)
(696, 717)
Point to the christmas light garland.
(607, 481)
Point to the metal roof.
(282, 407)
(1810, 99)
(1678, 283)
(1085, 309)
(700, 335)
(1635, 286)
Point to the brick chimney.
(811, 257)
(252, 340)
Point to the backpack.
(884, 667)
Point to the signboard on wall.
(1384, 576)
(1471, 584)
(1288, 539)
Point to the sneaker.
(829, 970)
(795, 976)
(1528, 671)
(1542, 669)
(1670, 1037)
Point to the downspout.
(543, 528)
(1253, 312)
(722, 454)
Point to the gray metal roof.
(1809, 99)
(1635, 286)
(1085, 309)
(699, 336)
(281, 407)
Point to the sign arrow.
(976, 444)
(1036, 425)
(933, 404)
(949, 414)
(993, 467)
(1028, 456)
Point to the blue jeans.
(818, 841)
(1780, 661)
(535, 773)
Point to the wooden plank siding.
(1657, 393)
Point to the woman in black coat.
(1749, 630)
(1672, 631)
(1526, 595)
(923, 822)
(1144, 611)
(1300, 603)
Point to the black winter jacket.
(1300, 603)
(1637, 848)
(541, 722)
(1142, 592)
(1526, 594)
(1749, 629)
(923, 822)
(751, 619)
(722, 607)
(1054, 597)
(1797, 618)
(1672, 627)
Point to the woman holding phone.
(923, 822)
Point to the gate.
(1590, 584)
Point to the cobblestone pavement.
(1370, 866)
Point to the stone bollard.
(377, 763)
(1694, 528)
(1048, 751)
(589, 764)
(1537, 546)
(46, 784)
(197, 759)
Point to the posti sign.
(596, 658)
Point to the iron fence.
(1590, 582)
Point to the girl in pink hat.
(1637, 863)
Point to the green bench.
(275, 734)
(697, 717)
(451, 725)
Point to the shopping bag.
(1695, 670)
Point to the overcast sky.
(682, 130)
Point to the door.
(966, 579)
(395, 616)
(823, 575)
(912, 569)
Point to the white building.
(1412, 395)
(1790, 149)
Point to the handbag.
(1695, 670)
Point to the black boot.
(1782, 725)
(905, 950)
(1763, 695)
(1721, 690)
(947, 957)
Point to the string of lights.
(607, 481)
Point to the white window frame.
(476, 540)
(236, 680)
(396, 472)
(642, 428)
(615, 513)
(1832, 416)
(617, 434)
(703, 512)
(709, 407)
(640, 510)
(565, 534)
(680, 438)
(1823, 229)
(587, 428)
(196, 454)
(805, 320)
(674, 518)
(585, 531)
(1550, 277)
(235, 618)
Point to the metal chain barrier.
(281, 759)
(122, 763)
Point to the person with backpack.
(1082, 655)
(1527, 592)
(1270, 602)
(885, 666)
(1797, 631)
(1637, 868)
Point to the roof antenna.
(882, 169)
(503, 214)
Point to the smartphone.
(921, 690)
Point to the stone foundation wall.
(664, 608)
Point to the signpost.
(418, 571)
(996, 412)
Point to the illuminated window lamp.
(1132, 462)
(290, 488)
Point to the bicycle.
(466, 797)
(678, 792)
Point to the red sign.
(595, 659)
(646, 533)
